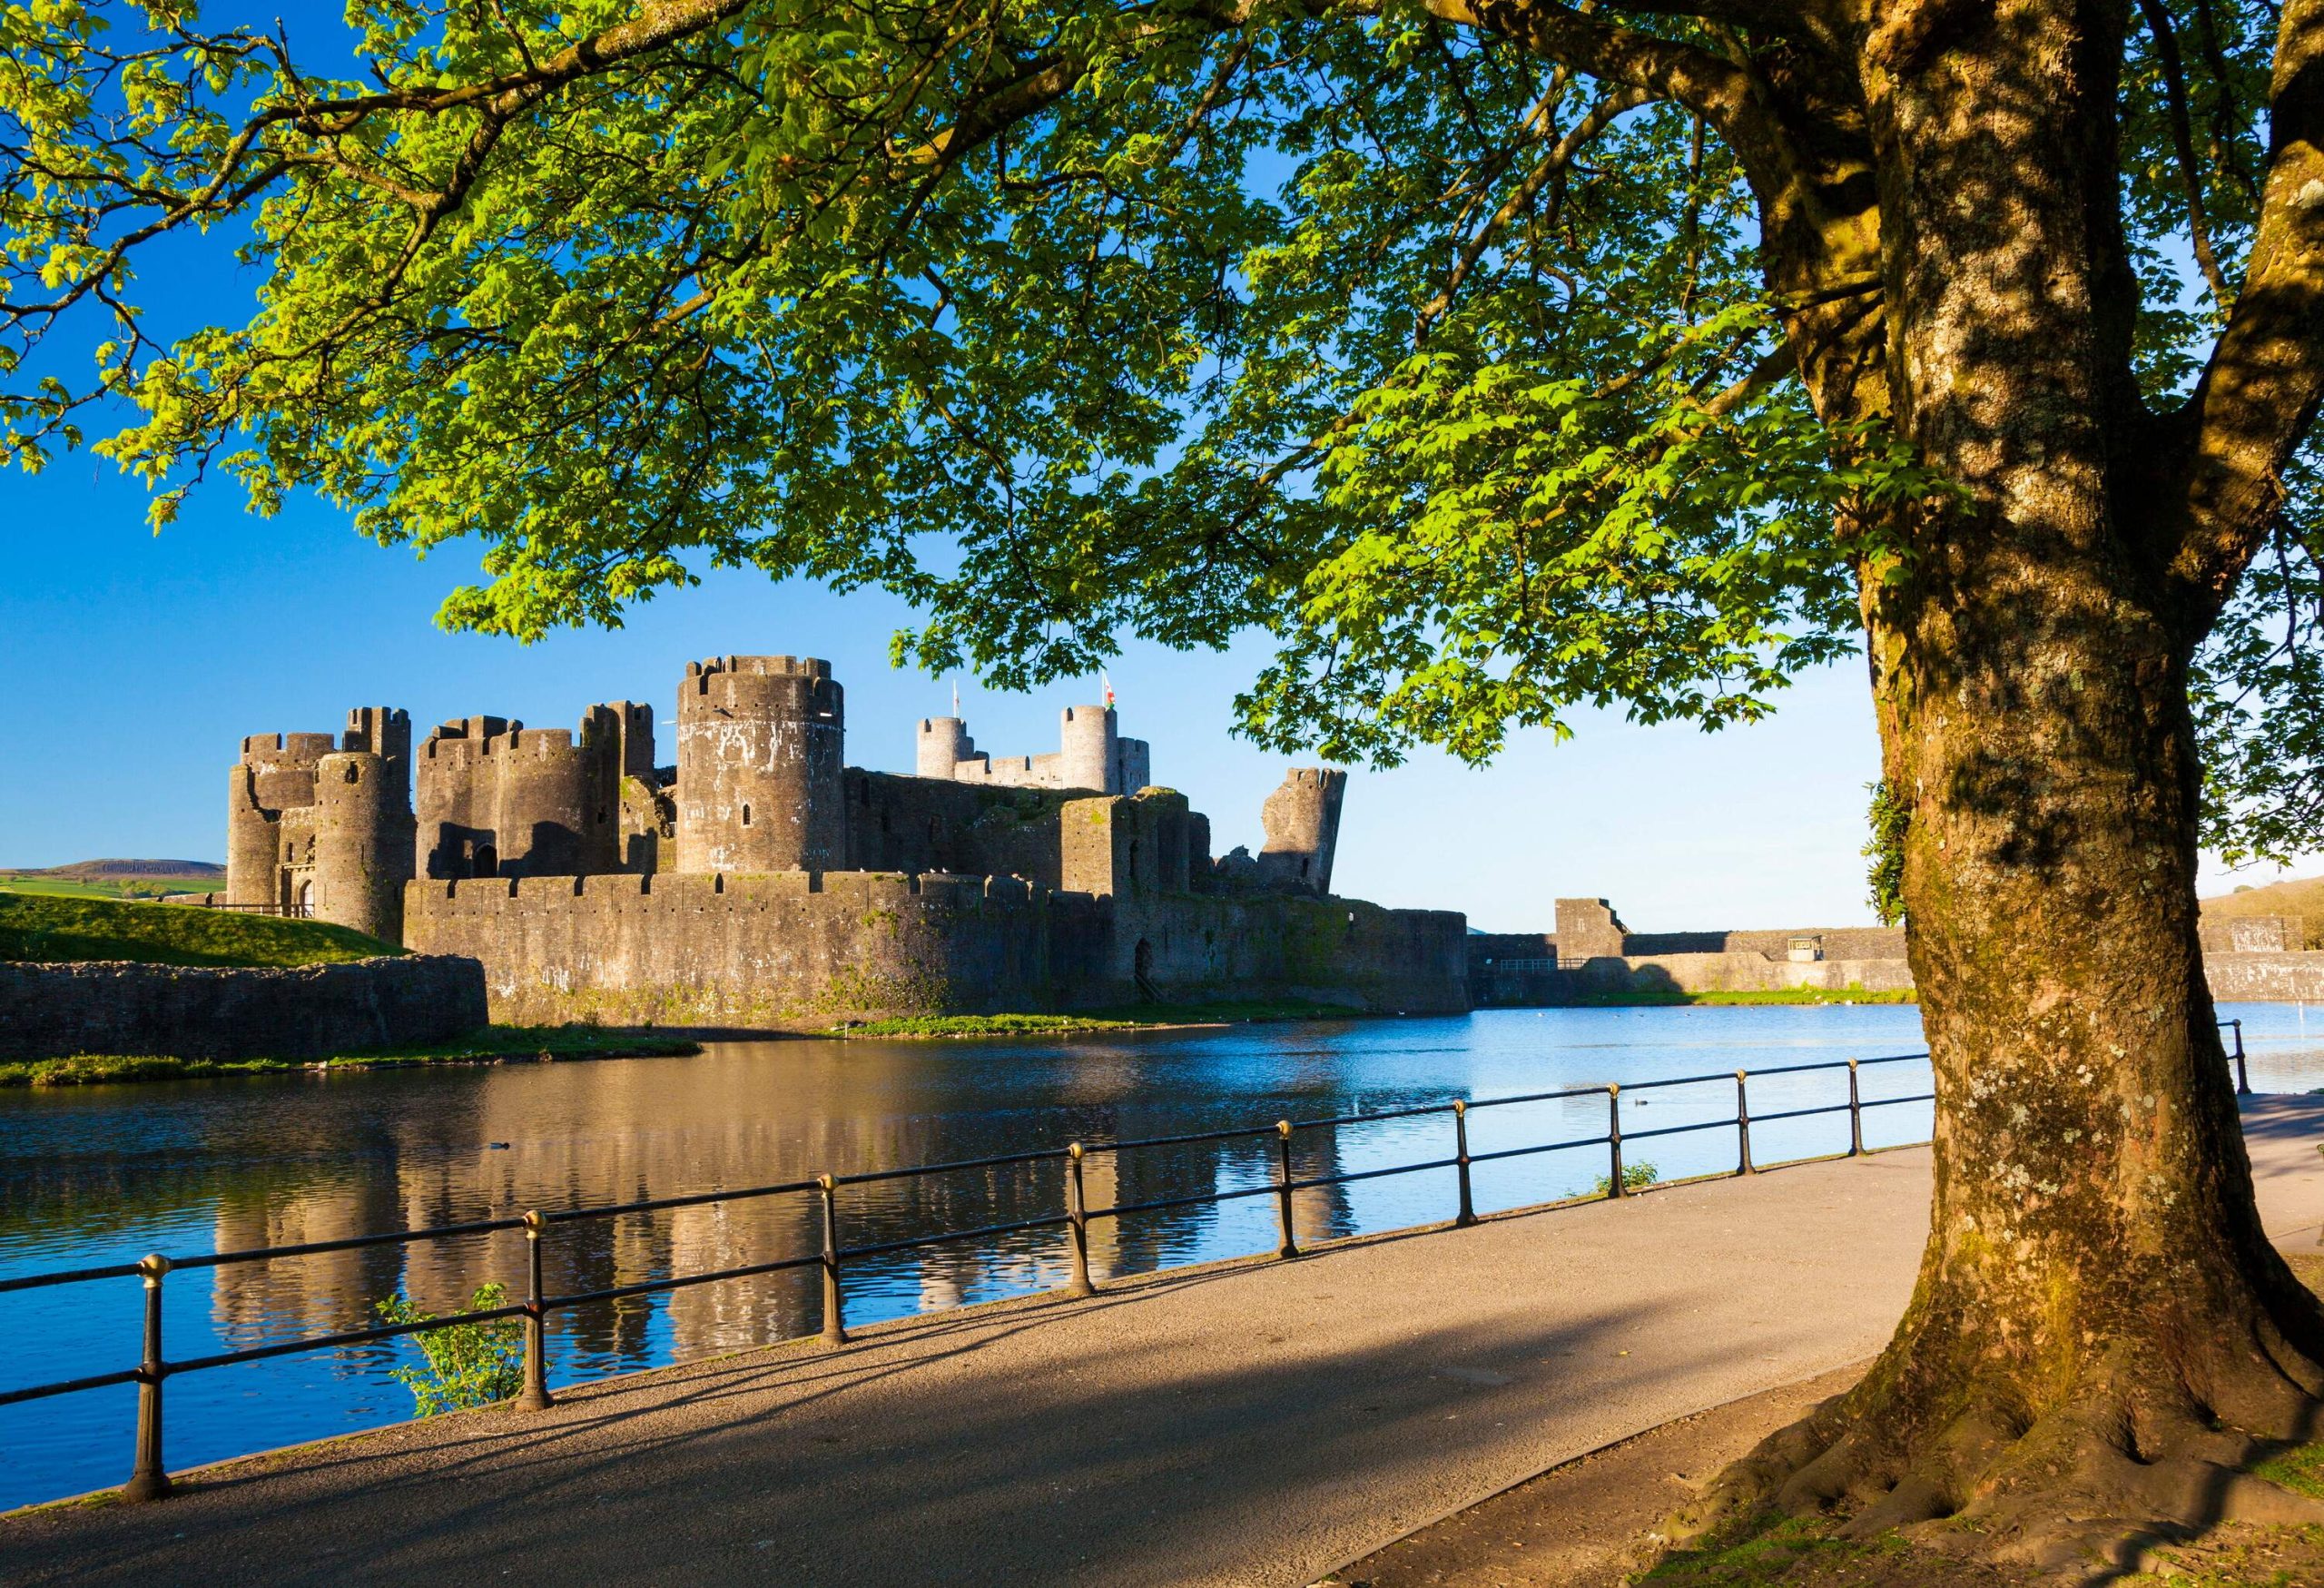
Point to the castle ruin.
(761, 881)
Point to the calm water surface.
(100, 1174)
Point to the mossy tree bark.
(2101, 1333)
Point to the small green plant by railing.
(1636, 1176)
(468, 1365)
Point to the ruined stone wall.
(307, 1011)
(806, 949)
(2266, 977)
(774, 949)
(1301, 819)
(923, 825)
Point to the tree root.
(2139, 1452)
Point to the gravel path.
(1253, 1424)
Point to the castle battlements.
(566, 859)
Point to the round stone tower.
(760, 741)
(554, 819)
(363, 842)
(944, 743)
(275, 772)
(1087, 750)
(1302, 826)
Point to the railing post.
(148, 1479)
(1076, 1215)
(1468, 1214)
(1743, 1122)
(1856, 1115)
(1614, 1141)
(534, 1397)
(1290, 1247)
(2243, 1072)
(834, 1314)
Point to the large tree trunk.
(2100, 1332)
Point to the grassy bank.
(1132, 1017)
(1659, 998)
(493, 1045)
(105, 887)
(48, 927)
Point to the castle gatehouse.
(759, 880)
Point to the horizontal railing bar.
(1265, 1190)
(70, 1386)
(348, 1337)
(1801, 1113)
(1544, 1147)
(72, 1277)
(1413, 1112)
(868, 1176)
(1370, 1173)
(675, 1282)
(881, 1249)
(1252, 1132)
(1895, 1059)
(1727, 1123)
(1538, 1097)
(691, 1200)
(267, 1253)
(1921, 1097)
(1724, 1075)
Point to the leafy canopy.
(1447, 360)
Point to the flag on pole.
(956, 697)
(1108, 685)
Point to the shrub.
(468, 1365)
(1636, 1176)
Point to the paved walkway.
(1252, 1424)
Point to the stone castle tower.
(1091, 755)
(325, 829)
(762, 743)
(498, 799)
(1302, 826)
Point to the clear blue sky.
(134, 663)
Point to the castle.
(761, 881)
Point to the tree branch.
(2260, 393)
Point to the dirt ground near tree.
(1590, 1524)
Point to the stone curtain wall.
(2266, 978)
(308, 1011)
(806, 949)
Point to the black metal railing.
(149, 1480)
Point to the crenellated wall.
(805, 950)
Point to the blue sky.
(134, 664)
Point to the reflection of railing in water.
(148, 1479)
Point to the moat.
(102, 1174)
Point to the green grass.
(494, 1044)
(2300, 1471)
(1132, 1017)
(1658, 998)
(39, 927)
(1770, 1550)
(108, 888)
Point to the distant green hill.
(38, 926)
(116, 879)
(2301, 896)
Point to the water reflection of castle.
(572, 1144)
